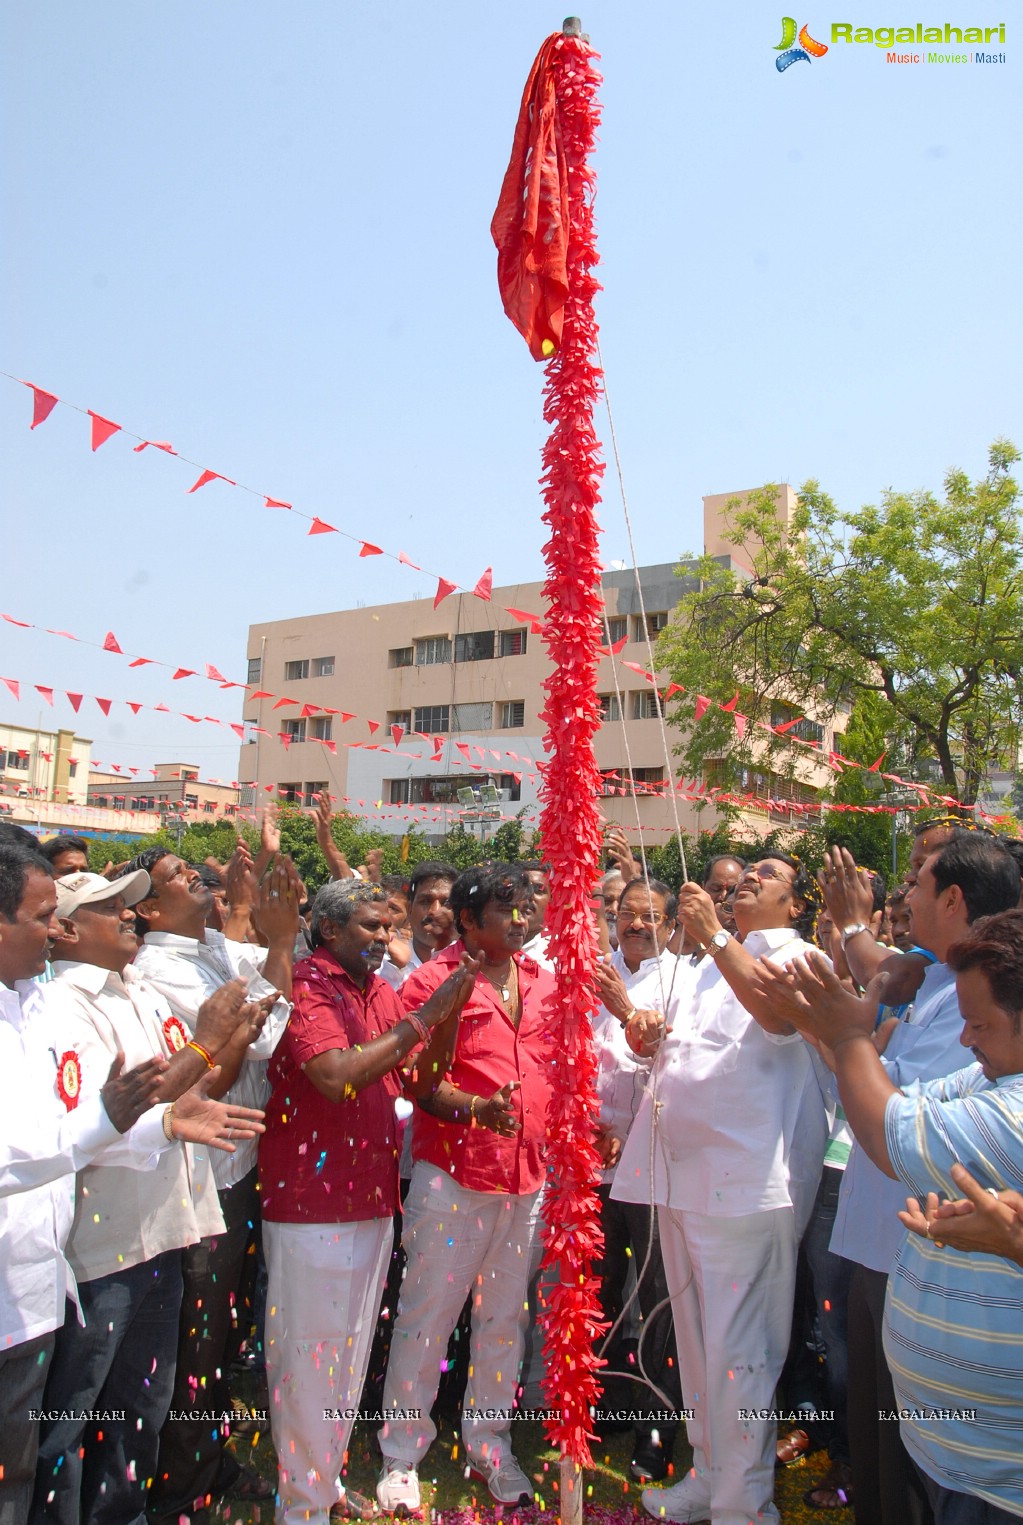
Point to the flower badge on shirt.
(175, 1034)
(69, 1078)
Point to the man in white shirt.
(49, 1128)
(643, 975)
(729, 1143)
(185, 961)
(129, 1226)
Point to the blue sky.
(262, 233)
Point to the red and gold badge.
(69, 1079)
(175, 1033)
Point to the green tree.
(918, 600)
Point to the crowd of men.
(209, 1082)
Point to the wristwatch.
(853, 930)
(719, 941)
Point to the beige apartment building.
(168, 787)
(44, 765)
(401, 709)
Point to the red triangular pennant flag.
(262, 693)
(369, 550)
(157, 444)
(211, 672)
(875, 765)
(397, 732)
(47, 693)
(282, 702)
(74, 700)
(309, 709)
(729, 708)
(321, 527)
(740, 726)
(484, 587)
(102, 429)
(22, 624)
(463, 747)
(133, 706)
(672, 688)
(185, 672)
(780, 730)
(702, 706)
(15, 687)
(141, 662)
(374, 726)
(110, 643)
(276, 503)
(407, 563)
(163, 707)
(443, 589)
(285, 740)
(210, 476)
(345, 717)
(104, 705)
(239, 731)
(43, 404)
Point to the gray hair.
(337, 902)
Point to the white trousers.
(732, 1282)
(323, 1296)
(456, 1242)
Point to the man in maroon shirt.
(472, 1209)
(329, 1182)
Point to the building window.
(648, 780)
(512, 642)
(432, 650)
(295, 670)
(191, 801)
(472, 717)
(321, 728)
(398, 791)
(510, 786)
(400, 717)
(650, 628)
(311, 790)
(190, 775)
(400, 656)
(806, 730)
(209, 806)
(432, 718)
(72, 767)
(474, 646)
(617, 628)
(610, 709)
(255, 673)
(645, 705)
(323, 667)
(18, 760)
(513, 714)
(289, 792)
(295, 729)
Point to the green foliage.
(103, 852)
(917, 601)
(208, 839)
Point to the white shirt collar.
(88, 977)
(770, 937)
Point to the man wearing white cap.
(129, 1225)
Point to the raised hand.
(126, 1096)
(197, 1119)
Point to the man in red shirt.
(472, 1210)
(329, 1182)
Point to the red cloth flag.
(104, 705)
(74, 700)
(702, 706)
(531, 224)
(102, 429)
(210, 476)
(43, 404)
(157, 444)
(369, 550)
(321, 527)
(485, 585)
(211, 672)
(110, 643)
(443, 589)
(15, 687)
(276, 503)
(47, 694)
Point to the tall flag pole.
(545, 235)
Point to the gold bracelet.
(200, 1050)
(168, 1123)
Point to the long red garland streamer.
(571, 820)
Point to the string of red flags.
(103, 429)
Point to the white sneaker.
(504, 1477)
(398, 1488)
(686, 1503)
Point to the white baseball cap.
(76, 890)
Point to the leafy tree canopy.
(917, 601)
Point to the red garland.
(570, 822)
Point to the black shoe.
(649, 1461)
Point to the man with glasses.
(728, 1143)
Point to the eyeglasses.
(771, 871)
(648, 918)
